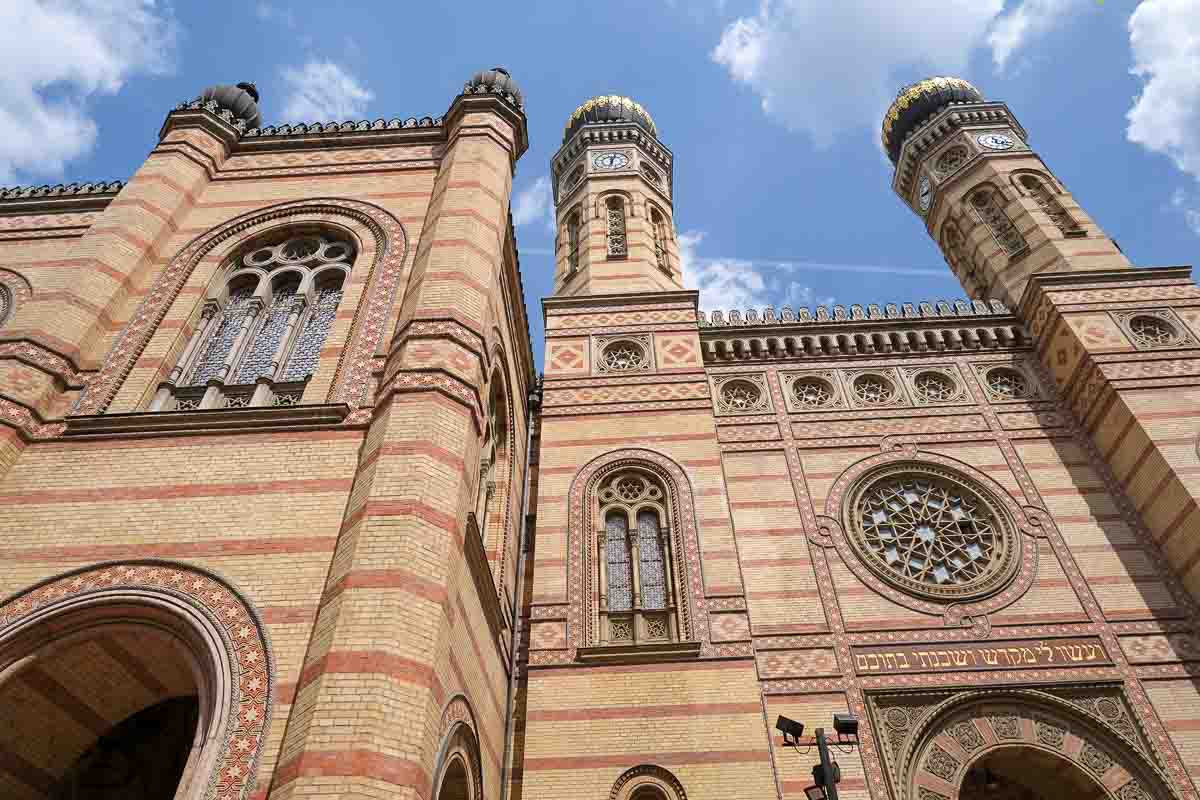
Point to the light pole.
(827, 774)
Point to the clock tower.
(612, 198)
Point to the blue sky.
(771, 108)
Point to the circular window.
(1151, 331)
(741, 396)
(1006, 383)
(812, 392)
(6, 304)
(624, 356)
(934, 387)
(874, 390)
(931, 533)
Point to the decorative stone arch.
(459, 772)
(506, 459)
(934, 747)
(647, 780)
(220, 632)
(600, 202)
(382, 247)
(954, 612)
(1050, 182)
(581, 577)
(15, 290)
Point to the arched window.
(1048, 202)
(616, 227)
(573, 238)
(491, 453)
(658, 225)
(961, 262)
(260, 337)
(988, 207)
(637, 600)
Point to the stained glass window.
(307, 352)
(616, 227)
(650, 561)
(266, 340)
(225, 332)
(620, 572)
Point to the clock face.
(610, 161)
(996, 141)
(924, 193)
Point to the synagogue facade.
(292, 514)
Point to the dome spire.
(918, 102)
(609, 108)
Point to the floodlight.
(814, 793)
(790, 729)
(845, 724)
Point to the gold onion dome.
(609, 108)
(918, 102)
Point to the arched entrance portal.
(1023, 773)
(108, 712)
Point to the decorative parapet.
(62, 197)
(923, 310)
(874, 329)
(305, 128)
(60, 190)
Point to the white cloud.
(322, 91)
(1029, 19)
(823, 68)
(1189, 207)
(57, 56)
(533, 203)
(1164, 36)
(724, 283)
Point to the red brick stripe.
(372, 662)
(354, 764)
(175, 491)
(66, 701)
(390, 579)
(624, 759)
(133, 665)
(212, 548)
(631, 712)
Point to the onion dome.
(609, 108)
(240, 100)
(495, 81)
(918, 102)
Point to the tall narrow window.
(261, 337)
(659, 227)
(637, 601)
(1049, 203)
(573, 241)
(487, 460)
(616, 227)
(961, 261)
(987, 206)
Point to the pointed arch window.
(260, 336)
(573, 240)
(617, 245)
(491, 452)
(961, 262)
(658, 225)
(1048, 202)
(988, 207)
(637, 601)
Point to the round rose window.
(931, 533)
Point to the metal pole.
(828, 779)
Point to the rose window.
(1151, 331)
(874, 390)
(741, 396)
(932, 534)
(1007, 384)
(624, 357)
(812, 392)
(934, 387)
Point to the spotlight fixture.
(814, 793)
(845, 724)
(791, 730)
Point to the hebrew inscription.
(1018, 654)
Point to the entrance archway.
(139, 681)
(1017, 744)
(1025, 773)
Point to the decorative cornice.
(571, 304)
(891, 311)
(225, 420)
(87, 196)
(638, 653)
(349, 126)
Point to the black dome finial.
(918, 102)
(241, 100)
(497, 81)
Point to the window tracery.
(931, 532)
(1006, 383)
(637, 601)
(624, 355)
(573, 241)
(617, 246)
(658, 226)
(1152, 331)
(264, 331)
(934, 387)
(988, 208)
(950, 160)
(494, 441)
(741, 395)
(874, 390)
(1049, 204)
(960, 260)
(812, 392)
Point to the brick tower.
(1120, 342)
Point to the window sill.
(638, 653)
(207, 420)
